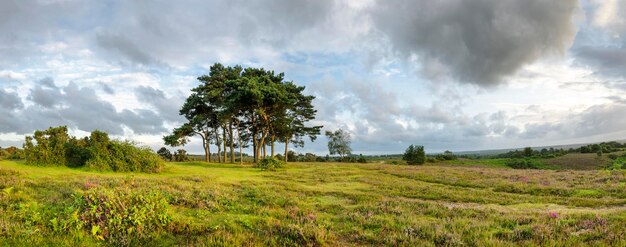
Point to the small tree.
(528, 151)
(181, 156)
(339, 142)
(165, 154)
(414, 155)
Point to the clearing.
(332, 204)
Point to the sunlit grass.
(454, 203)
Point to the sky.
(449, 75)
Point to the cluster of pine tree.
(234, 107)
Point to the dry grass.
(329, 204)
(578, 161)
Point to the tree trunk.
(264, 153)
(262, 142)
(232, 143)
(286, 149)
(272, 146)
(240, 145)
(224, 139)
(206, 150)
(255, 131)
(219, 146)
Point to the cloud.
(610, 15)
(167, 107)
(481, 41)
(121, 46)
(12, 75)
(10, 101)
(608, 60)
(78, 107)
(107, 89)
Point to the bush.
(165, 154)
(125, 157)
(618, 164)
(522, 164)
(54, 147)
(270, 164)
(181, 156)
(361, 159)
(123, 217)
(447, 155)
(414, 155)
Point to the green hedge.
(54, 147)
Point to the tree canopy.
(414, 155)
(339, 142)
(234, 106)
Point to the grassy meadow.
(460, 203)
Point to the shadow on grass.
(211, 165)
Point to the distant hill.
(500, 151)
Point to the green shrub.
(181, 156)
(47, 147)
(270, 164)
(361, 159)
(414, 155)
(618, 164)
(124, 157)
(522, 164)
(124, 217)
(55, 147)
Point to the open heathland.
(312, 204)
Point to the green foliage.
(165, 154)
(361, 159)
(604, 147)
(48, 148)
(181, 156)
(528, 152)
(124, 217)
(11, 153)
(54, 147)
(618, 164)
(522, 164)
(414, 155)
(270, 164)
(339, 143)
(447, 155)
(124, 156)
(327, 204)
(234, 106)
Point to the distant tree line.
(310, 157)
(528, 152)
(11, 153)
(55, 147)
(234, 107)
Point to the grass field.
(324, 204)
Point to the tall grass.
(316, 204)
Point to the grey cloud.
(45, 93)
(10, 101)
(107, 89)
(22, 24)
(77, 107)
(121, 46)
(608, 60)
(438, 126)
(479, 41)
(166, 32)
(167, 107)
